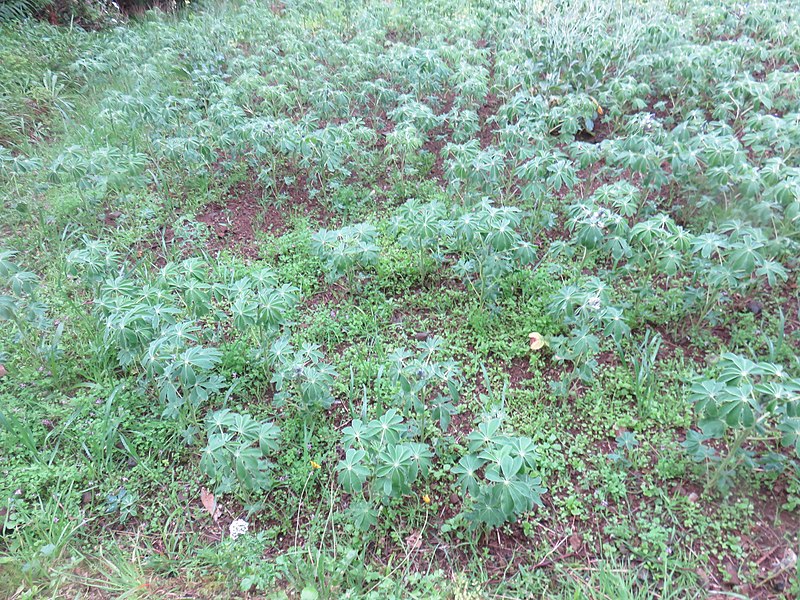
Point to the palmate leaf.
(465, 228)
(209, 464)
(467, 471)
(394, 469)
(181, 333)
(352, 473)
(561, 174)
(524, 448)
(220, 420)
(323, 241)
(23, 282)
(614, 324)
(289, 294)
(7, 266)
(205, 388)
(487, 510)
(705, 395)
(525, 253)
(534, 491)
(464, 268)
(790, 433)
(643, 232)
(316, 385)
(272, 307)
(245, 312)
(583, 342)
(515, 497)
(265, 278)
(197, 296)
(736, 369)
(773, 271)
(443, 409)
(696, 448)
(246, 465)
(245, 427)
(738, 406)
(163, 315)
(427, 224)
(564, 302)
(280, 353)
(510, 466)
(484, 435)
(268, 437)
(745, 256)
(714, 428)
(356, 434)
(229, 456)
(387, 428)
(8, 308)
(363, 515)
(421, 457)
(670, 262)
(502, 237)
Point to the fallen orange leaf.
(210, 503)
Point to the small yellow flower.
(537, 341)
(426, 499)
(315, 465)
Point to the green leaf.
(363, 515)
(467, 471)
(309, 593)
(353, 474)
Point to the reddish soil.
(244, 212)
(438, 138)
(487, 125)
(518, 372)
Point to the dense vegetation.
(435, 298)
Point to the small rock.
(86, 498)
(733, 573)
(789, 560)
(754, 306)
(454, 499)
(693, 497)
(3, 371)
(422, 336)
(132, 462)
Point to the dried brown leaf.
(210, 503)
(414, 541)
(537, 340)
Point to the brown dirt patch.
(243, 212)
(488, 126)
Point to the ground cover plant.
(432, 299)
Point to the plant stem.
(729, 458)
